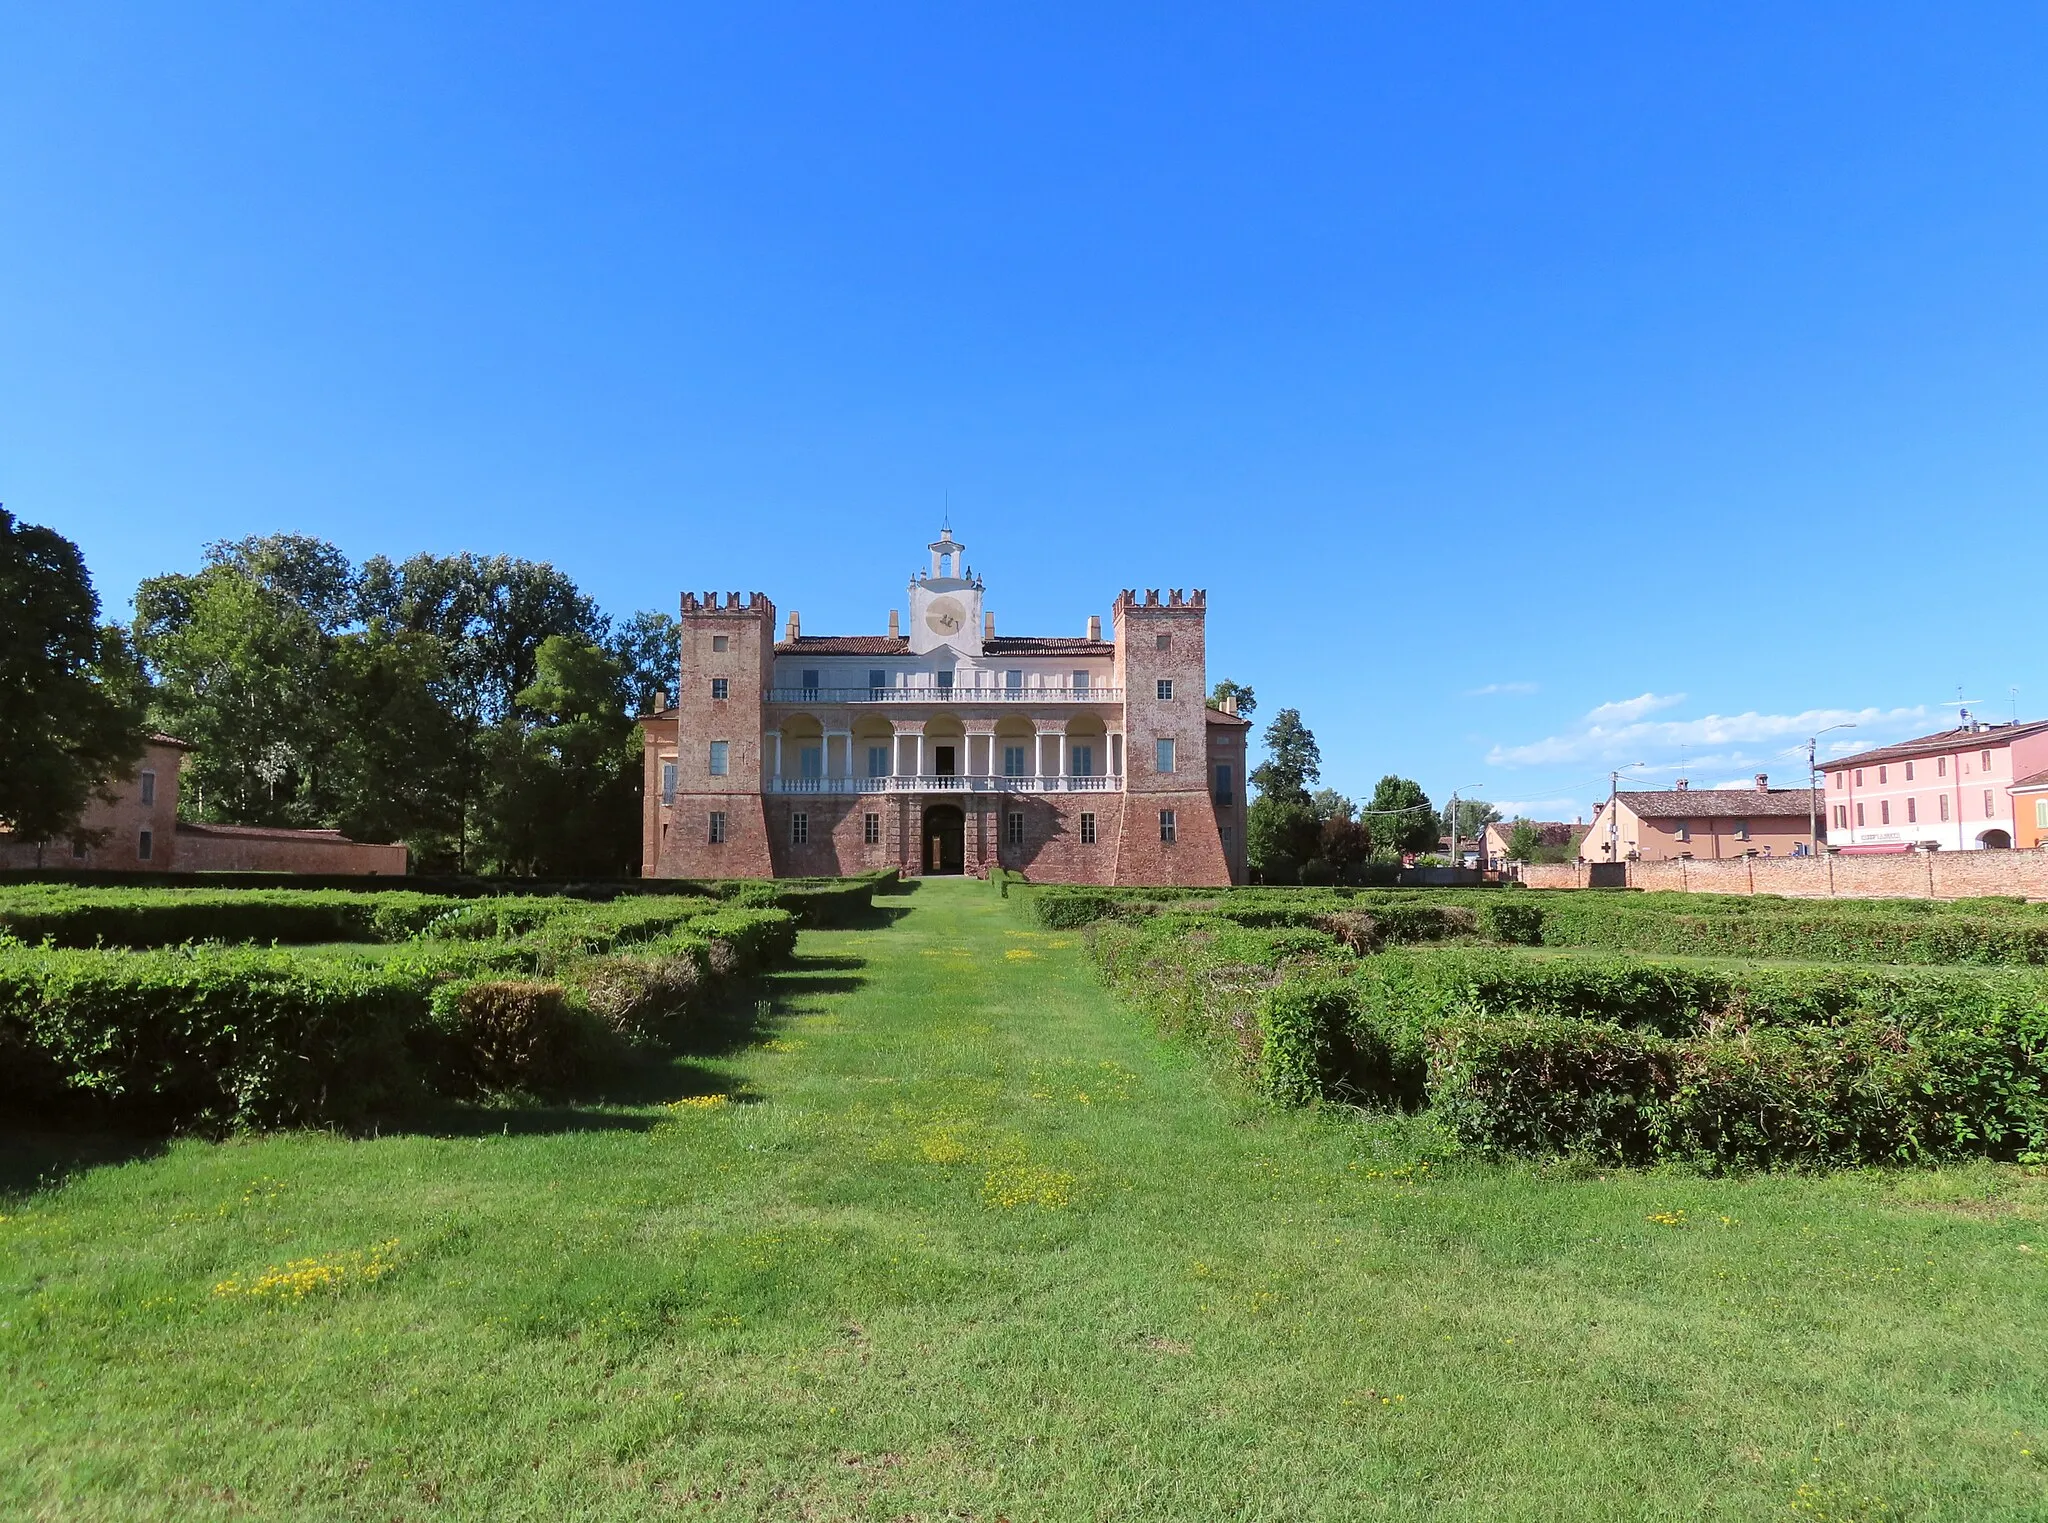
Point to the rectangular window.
(1013, 761)
(1083, 761)
(811, 679)
(1941, 766)
(1166, 826)
(945, 682)
(1165, 689)
(1162, 642)
(1224, 780)
(145, 845)
(1944, 806)
(716, 834)
(668, 782)
(1162, 753)
(721, 643)
(799, 829)
(1014, 830)
(1842, 816)
(871, 829)
(721, 687)
(1841, 779)
(1859, 814)
(1013, 681)
(78, 846)
(1884, 811)
(1909, 772)
(1912, 811)
(1987, 761)
(810, 761)
(1742, 830)
(1859, 777)
(2041, 814)
(1987, 804)
(720, 754)
(1087, 828)
(1079, 681)
(1683, 830)
(1224, 832)
(877, 678)
(878, 761)
(149, 787)
(1881, 775)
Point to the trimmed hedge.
(69, 917)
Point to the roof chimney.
(988, 626)
(895, 629)
(1683, 784)
(1095, 626)
(661, 700)
(1763, 782)
(1230, 704)
(793, 625)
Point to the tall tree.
(394, 747)
(1401, 817)
(563, 781)
(1474, 815)
(1282, 831)
(1524, 841)
(1329, 804)
(1247, 703)
(649, 647)
(239, 668)
(309, 572)
(71, 714)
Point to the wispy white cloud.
(1621, 732)
(1501, 689)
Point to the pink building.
(1951, 791)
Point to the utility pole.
(1813, 787)
(1454, 827)
(1613, 821)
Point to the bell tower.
(945, 601)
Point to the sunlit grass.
(961, 1238)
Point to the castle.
(949, 749)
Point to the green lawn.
(968, 1241)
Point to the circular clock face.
(945, 616)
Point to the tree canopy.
(1401, 817)
(71, 711)
(1247, 704)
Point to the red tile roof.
(1985, 738)
(2037, 780)
(1719, 803)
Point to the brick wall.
(237, 849)
(747, 664)
(1195, 856)
(1905, 875)
(123, 820)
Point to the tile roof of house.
(899, 645)
(1217, 716)
(267, 832)
(2036, 780)
(1979, 739)
(1719, 803)
(158, 738)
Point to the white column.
(920, 753)
(775, 765)
(1040, 735)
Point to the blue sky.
(1536, 389)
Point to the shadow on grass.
(34, 1158)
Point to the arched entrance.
(1995, 840)
(945, 840)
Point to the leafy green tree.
(1345, 844)
(71, 712)
(649, 647)
(563, 790)
(395, 749)
(309, 572)
(1329, 804)
(1282, 832)
(1247, 704)
(238, 670)
(1474, 815)
(1524, 841)
(1401, 817)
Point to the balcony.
(942, 783)
(965, 695)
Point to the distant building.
(1709, 823)
(1954, 791)
(947, 749)
(139, 831)
(1493, 844)
(2030, 811)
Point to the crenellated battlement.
(708, 602)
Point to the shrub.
(1303, 1029)
(83, 917)
(491, 1035)
(1548, 1085)
(1514, 921)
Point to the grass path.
(967, 1241)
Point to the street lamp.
(1812, 792)
(1454, 817)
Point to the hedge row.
(1615, 1057)
(213, 1035)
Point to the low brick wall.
(204, 850)
(1905, 875)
